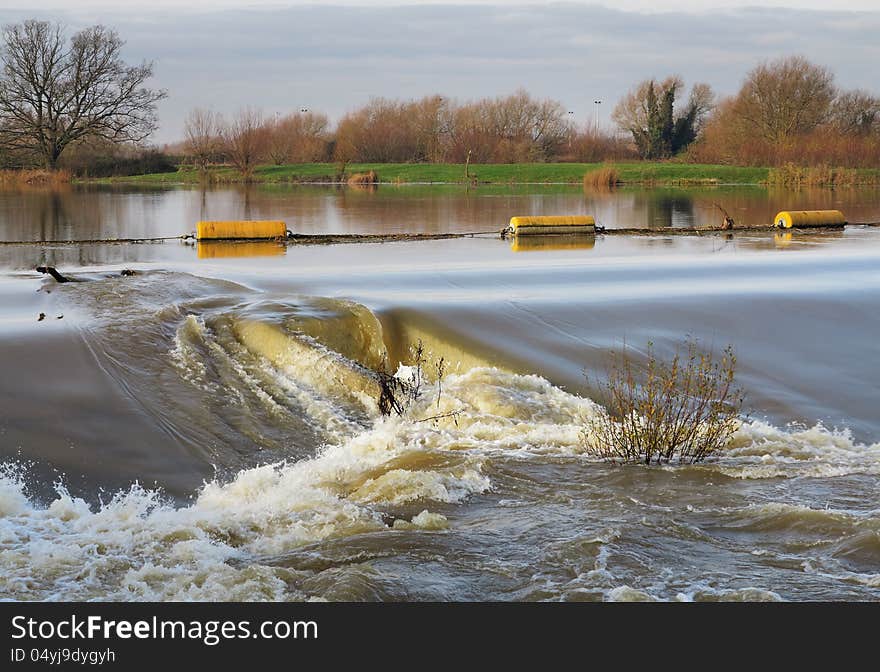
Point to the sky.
(282, 56)
(626, 5)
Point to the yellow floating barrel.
(242, 229)
(524, 226)
(807, 218)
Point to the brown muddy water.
(206, 429)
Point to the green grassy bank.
(636, 172)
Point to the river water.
(207, 429)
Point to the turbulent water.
(208, 429)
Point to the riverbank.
(633, 172)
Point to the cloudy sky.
(283, 55)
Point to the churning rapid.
(247, 420)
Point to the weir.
(275, 231)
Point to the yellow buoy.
(806, 218)
(242, 229)
(552, 224)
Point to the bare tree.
(203, 141)
(856, 112)
(633, 111)
(300, 137)
(349, 140)
(312, 137)
(430, 119)
(701, 102)
(245, 140)
(786, 98)
(280, 140)
(53, 93)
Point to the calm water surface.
(206, 429)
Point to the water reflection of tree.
(203, 203)
(247, 193)
(436, 209)
(52, 217)
(69, 213)
(79, 212)
(665, 209)
(57, 214)
(246, 205)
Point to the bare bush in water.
(397, 395)
(683, 410)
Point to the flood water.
(207, 428)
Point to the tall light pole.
(597, 102)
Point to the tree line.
(791, 111)
(75, 103)
(506, 129)
(786, 110)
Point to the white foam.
(136, 546)
(760, 450)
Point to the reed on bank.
(793, 176)
(34, 178)
(362, 179)
(606, 177)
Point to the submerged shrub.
(398, 394)
(683, 410)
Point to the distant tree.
(102, 158)
(856, 113)
(431, 119)
(53, 93)
(245, 140)
(280, 141)
(691, 121)
(203, 142)
(349, 142)
(507, 129)
(785, 98)
(300, 137)
(648, 113)
(789, 111)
